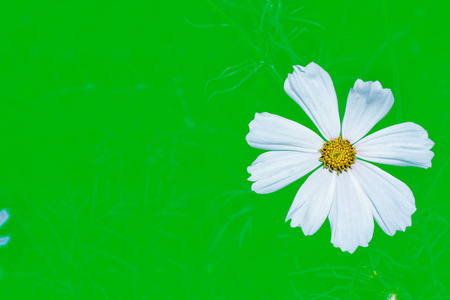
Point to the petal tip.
(298, 68)
(293, 224)
(307, 232)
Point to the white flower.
(3, 217)
(346, 188)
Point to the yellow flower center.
(337, 155)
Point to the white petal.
(313, 201)
(3, 217)
(392, 200)
(272, 132)
(311, 87)
(367, 103)
(405, 144)
(350, 216)
(274, 170)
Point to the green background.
(123, 155)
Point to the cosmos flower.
(344, 187)
(3, 217)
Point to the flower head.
(344, 187)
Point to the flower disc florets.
(337, 155)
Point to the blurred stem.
(239, 29)
(393, 61)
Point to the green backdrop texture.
(123, 154)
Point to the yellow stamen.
(337, 155)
